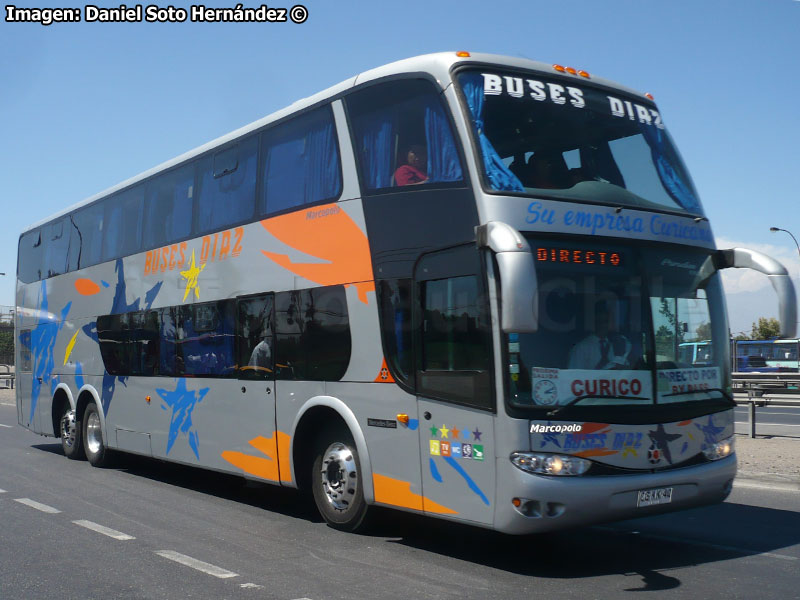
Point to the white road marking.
(6, 426)
(251, 586)
(112, 533)
(198, 565)
(766, 485)
(2, 491)
(38, 506)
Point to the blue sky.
(85, 106)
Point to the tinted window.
(55, 242)
(455, 358)
(168, 207)
(129, 343)
(403, 136)
(205, 339)
(300, 162)
(313, 334)
(227, 182)
(87, 226)
(395, 312)
(123, 224)
(30, 256)
(255, 340)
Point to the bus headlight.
(720, 449)
(550, 464)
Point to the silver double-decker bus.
(454, 285)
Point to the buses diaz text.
(152, 13)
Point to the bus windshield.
(564, 138)
(613, 324)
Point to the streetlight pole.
(773, 229)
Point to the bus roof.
(438, 65)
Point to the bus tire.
(336, 481)
(96, 451)
(71, 434)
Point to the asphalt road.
(176, 532)
(770, 420)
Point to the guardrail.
(765, 389)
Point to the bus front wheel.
(336, 482)
(96, 451)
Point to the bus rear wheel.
(336, 482)
(71, 435)
(96, 451)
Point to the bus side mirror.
(519, 294)
(742, 258)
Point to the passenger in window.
(261, 357)
(604, 348)
(414, 171)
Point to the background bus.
(496, 344)
(767, 355)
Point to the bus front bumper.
(548, 503)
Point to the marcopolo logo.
(573, 428)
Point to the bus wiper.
(575, 401)
(724, 393)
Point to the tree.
(765, 329)
(704, 331)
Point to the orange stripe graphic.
(265, 468)
(86, 287)
(328, 233)
(398, 493)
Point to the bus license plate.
(653, 497)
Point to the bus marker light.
(147, 399)
(584, 74)
(572, 71)
(463, 54)
(516, 502)
(649, 95)
(403, 418)
(560, 69)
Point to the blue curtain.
(302, 163)
(443, 163)
(500, 177)
(376, 148)
(675, 186)
(323, 179)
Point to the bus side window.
(87, 234)
(254, 339)
(402, 135)
(227, 186)
(395, 313)
(169, 203)
(300, 162)
(30, 256)
(454, 362)
(312, 332)
(123, 224)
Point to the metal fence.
(765, 389)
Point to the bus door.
(255, 411)
(455, 400)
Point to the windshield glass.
(563, 138)
(614, 325)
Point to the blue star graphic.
(182, 402)
(710, 432)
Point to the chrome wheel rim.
(339, 476)
(68, 428)
(94, 437)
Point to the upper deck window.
(402, 136)
(565, 139)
